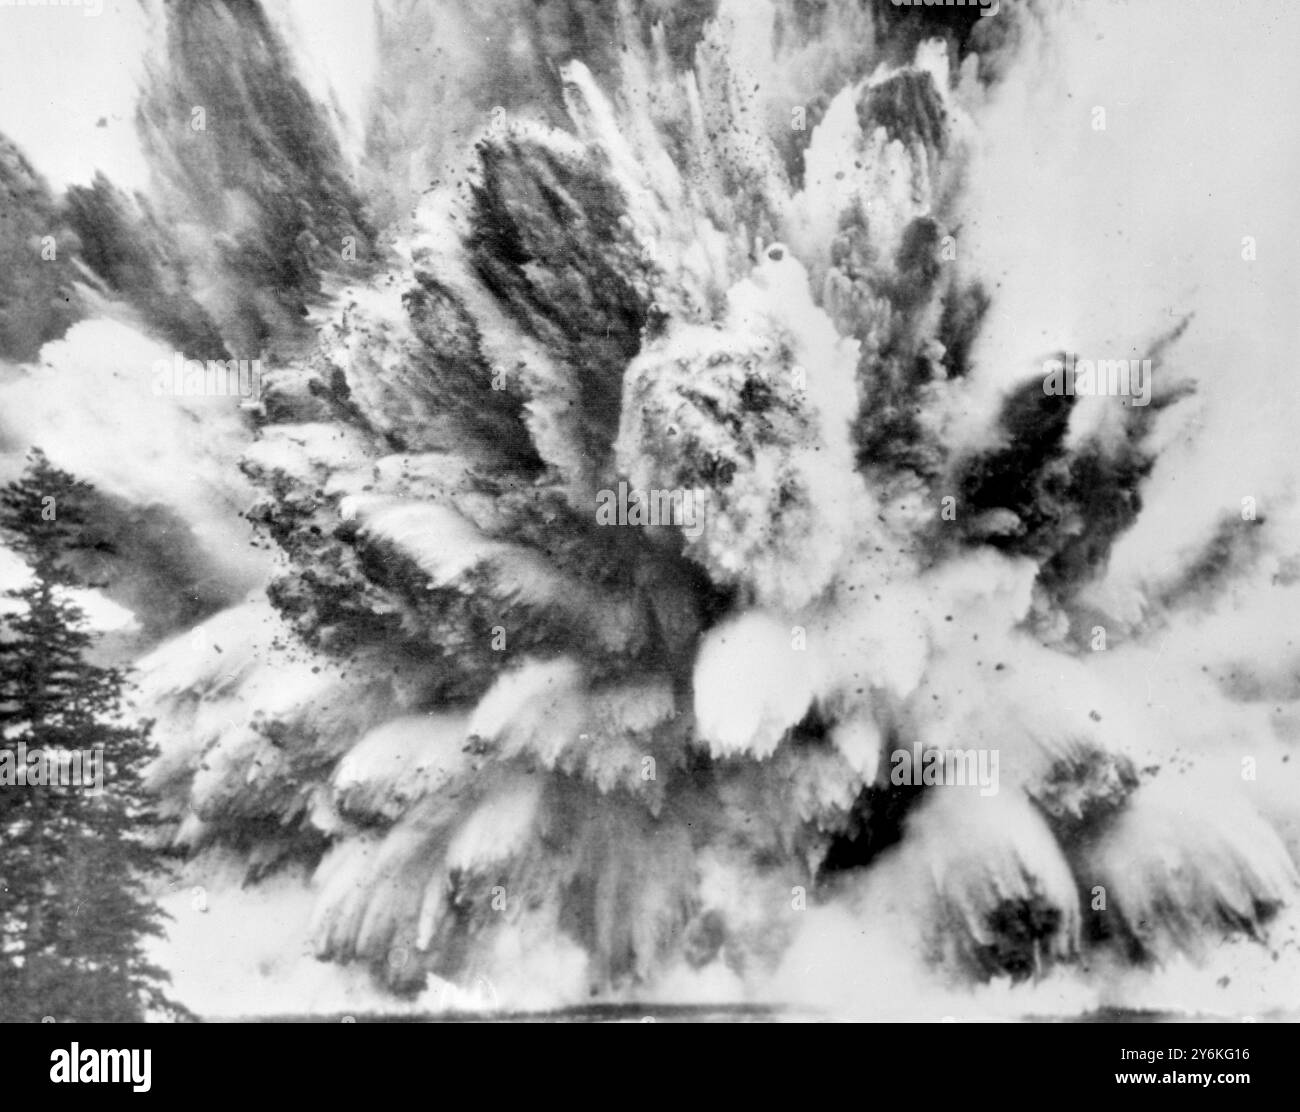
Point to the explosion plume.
(469, 743)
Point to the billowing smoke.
(651, 501)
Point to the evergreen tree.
(75, 864)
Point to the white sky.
(64, 70)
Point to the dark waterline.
(707, 1013)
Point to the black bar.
(749, 1049)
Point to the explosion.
(859, 720)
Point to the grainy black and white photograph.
(649, 510)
